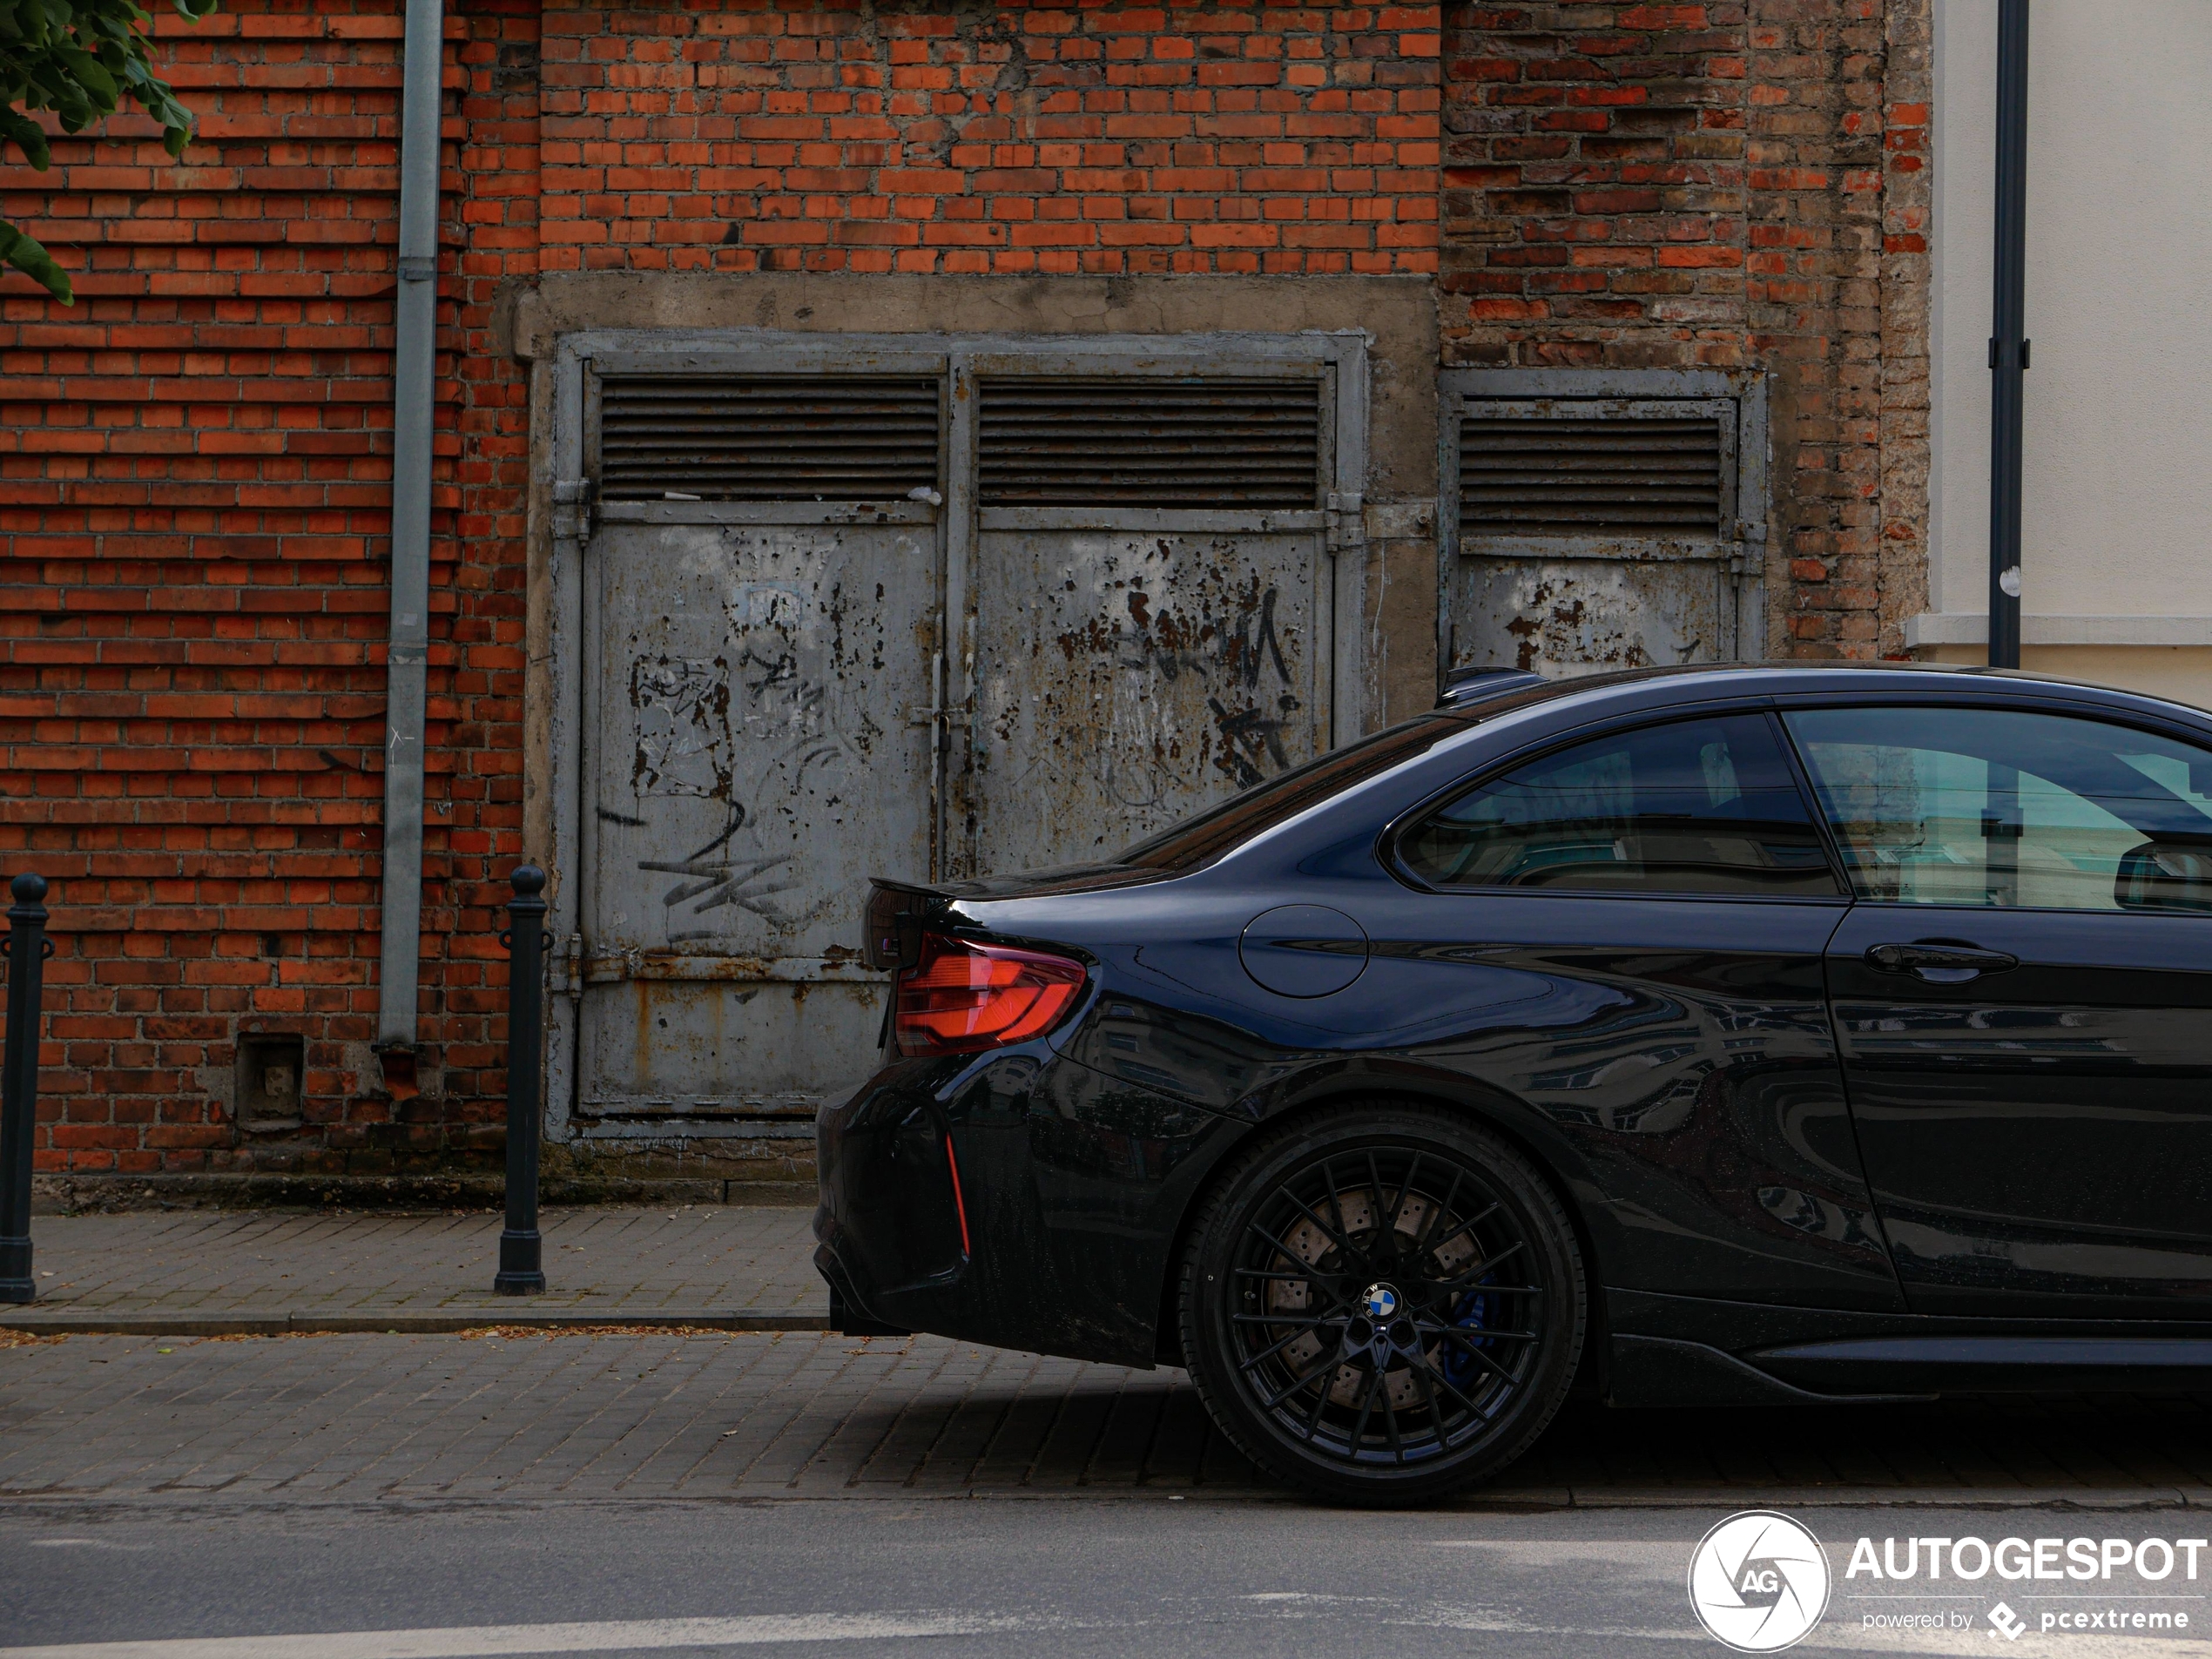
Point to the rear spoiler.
(891, 927)
(1463, 687)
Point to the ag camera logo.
(1758, 1582)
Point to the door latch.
(1939, 962)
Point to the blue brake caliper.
(1470, 1313)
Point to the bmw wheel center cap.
(1381, 1303)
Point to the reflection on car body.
(1704, 1036)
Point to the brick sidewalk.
(662, 1415)
(208, 1273)
(769, 1405)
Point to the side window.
(1996, 807)
(1692, 806)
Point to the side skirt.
(1660, 1370)
(1693, 1350)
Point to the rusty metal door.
(923, 608)
(1601, 520)
(1153, 602)
(760, 731)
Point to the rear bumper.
(1021, 1199)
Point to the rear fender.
(1338, 1079)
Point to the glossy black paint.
(2040, 1136)
(2036, 1139)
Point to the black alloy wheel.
(1382, 1303)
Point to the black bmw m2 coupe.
(1749, 1034)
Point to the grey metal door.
(924, 608)
(754, 690)
(759, 621)
(1601, 520)
(1152, 598)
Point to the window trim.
(2059, 707)
(1389, 850)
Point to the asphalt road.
(441, 1497)
(1065, 1575)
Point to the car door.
(2023, 1001)
(1625, 936)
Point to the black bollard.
(27, 949)
(522, 1270)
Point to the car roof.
(1633, 688)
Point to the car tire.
(1382, 1302)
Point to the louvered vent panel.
(1150, 442)
(1574, 475)
(767, 437)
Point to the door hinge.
(572, 499)
(1347, 520)
(576, 966)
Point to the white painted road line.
(617, 1635)
(467, 1641)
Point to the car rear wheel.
(1382, 1303)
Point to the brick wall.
(195, 461)
(1654, 185)
(1011, 139)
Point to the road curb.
(278, 1325)
(1813, 1502)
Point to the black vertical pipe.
(2008, 344)
(522, 1271)
(19, 1085)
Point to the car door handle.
(1938, 964)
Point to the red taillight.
(961, 997)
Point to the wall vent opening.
(1658, 471)
(272, 1073)
(1149, 440)
(767, 437)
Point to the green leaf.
(98, 85)
(81, 60)
(34, 262)
(28, 136)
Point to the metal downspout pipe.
(414, 394)
(2008, 337)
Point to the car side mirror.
(2166, 875)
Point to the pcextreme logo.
(1758, 1582)
(2156, 1590)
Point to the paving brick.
(249, 1266)
(663, 1416)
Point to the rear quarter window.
(1200, 840)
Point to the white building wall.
(2117, 520)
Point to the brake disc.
(1360, 1214)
